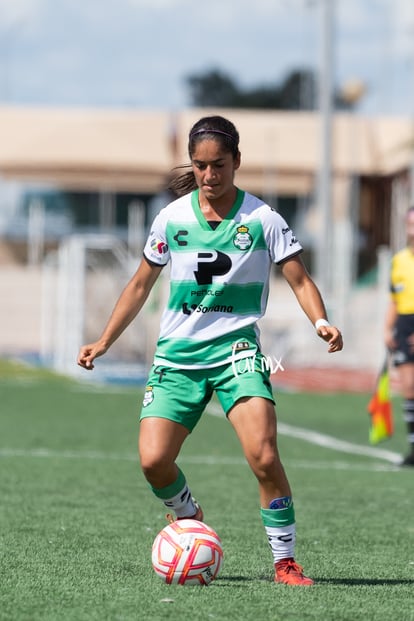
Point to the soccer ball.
(187, 552)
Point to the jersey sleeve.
(280, 239)
(156, 249)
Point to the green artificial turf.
(77, 519)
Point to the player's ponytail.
(184, 183)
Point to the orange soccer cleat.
(287, 571)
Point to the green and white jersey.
(219, 278)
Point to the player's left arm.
(310, 300)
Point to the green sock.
(280, 530)
(177, 497)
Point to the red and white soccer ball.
(187, 552)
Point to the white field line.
(307, 435)
(330, 442)
(54, 454)
(335, 444)
(206, 460)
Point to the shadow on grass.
(364, 581)
(238, 579)
(232, 580)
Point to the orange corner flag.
(380, 409)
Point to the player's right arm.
(126, 309)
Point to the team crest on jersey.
(148, 396)
(158, 246)
(242, 239)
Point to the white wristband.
(321, 322)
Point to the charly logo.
(242, 239)
(179, 237)
(148, 396)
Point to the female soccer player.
(220, 242)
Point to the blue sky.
(137, 53)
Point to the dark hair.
(208, 128)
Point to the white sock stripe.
(182, 503)
(282, 541)
(408, 409)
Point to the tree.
(297, 91)
(214, 88)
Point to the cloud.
(140, 51)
